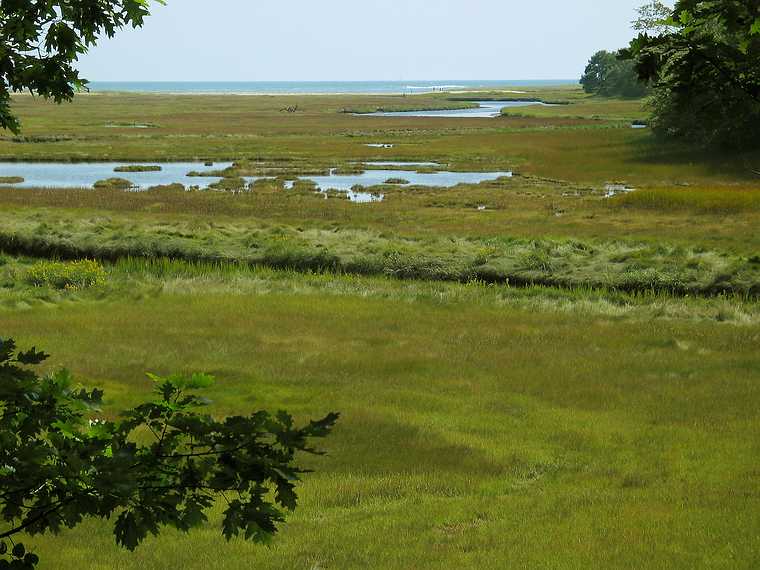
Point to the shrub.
(11, 179)
(537, 261)
(650, 279)
(234, 184)
(67, 275)
(399, 181)
(113, 184)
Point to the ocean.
(324, 87)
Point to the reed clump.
(70, 275)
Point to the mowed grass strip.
(472, 436)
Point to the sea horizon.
(320, 87)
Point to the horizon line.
(311, 80)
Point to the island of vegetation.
(137, 168)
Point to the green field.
(562, 380)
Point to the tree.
(703, 62)
(40, 41)
(596, 71)
(653, 17)
(608, 76)
(161, 464)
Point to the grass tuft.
(70, 275)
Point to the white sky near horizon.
(360, 40)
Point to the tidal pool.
(368, 178)
(486, 109)
(348, 182)
(85, 174)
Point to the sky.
(361, 40)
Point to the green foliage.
(113, 184)
(138, 168)
(59, 463)
(609, 76)
(67, 275)
(232, 184)
(654, 16)
(41, 41)
(703, 62)
(596, 71)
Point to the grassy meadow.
(531, 373)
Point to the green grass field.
(523, 386)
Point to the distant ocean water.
(326, 87)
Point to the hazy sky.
(260, 40)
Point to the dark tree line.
(700, 62)
(703, 61)
(609, 76)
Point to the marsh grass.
(563, 142)
(138, 278)
(480, 430)
(625, 265)
(113, 184)
(704, 200)
(137, 168)
(601, 414)
(71, 275)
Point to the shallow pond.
(440, 179)
(85, 174)
(486, 109)
(346, 182)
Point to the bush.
(234, 184)
(537, 261)
(113, 184)
(67, 275)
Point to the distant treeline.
(609, 76)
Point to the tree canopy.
(607, 75)
(40, 42)
(161, 464)
(704, 61)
